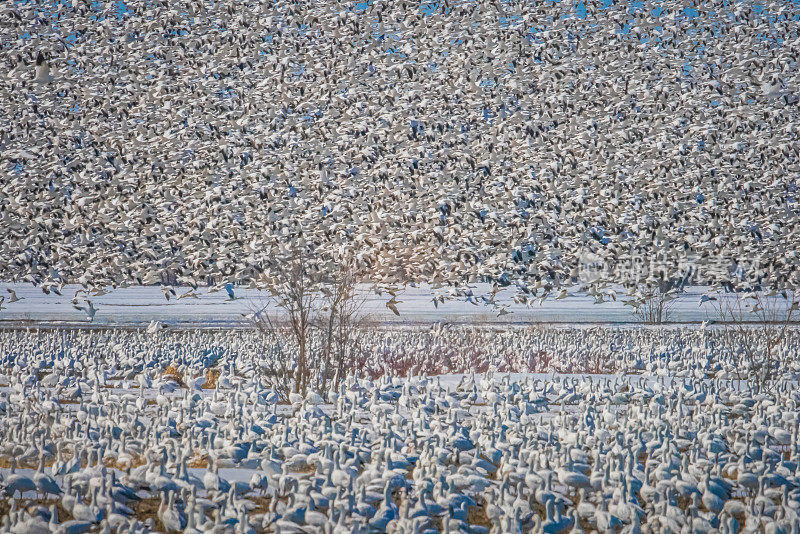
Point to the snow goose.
(714, 496)
(259, 482)
(16, 483)
(45, 484)
(386, 512)
(572, 479)
(212, 482)
(88, 512)
(172, 519)
(425, 508)
(554, 522)
(605, 521)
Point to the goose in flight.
(444, 134)
(90, 310)
(42, 71)
(392, 305)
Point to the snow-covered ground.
(141, 304)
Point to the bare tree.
(653, 302)
(337, 324)
(278, 364)
(653, 307)
(313, 333)
(756, 326)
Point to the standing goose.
(16, 483)
(45, 484)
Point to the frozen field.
(139, 305)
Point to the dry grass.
(212, 375)
(148, 509)
(476, 515)
(307, 470)
(136, 461)
(5, 463)
(200, 462)
(261, 504)
(174, 374)
(436, 524)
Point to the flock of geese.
(528, 144)
(128, 431)
(443, 142)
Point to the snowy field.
(136, 306)
(183, 432)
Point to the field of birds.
(446, 429)
(401, 211)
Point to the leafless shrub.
(655, 306)
(313, 332)
(756, 327)
(335, 326)
(654, 301)
(278, 363)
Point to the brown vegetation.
(173, 373)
